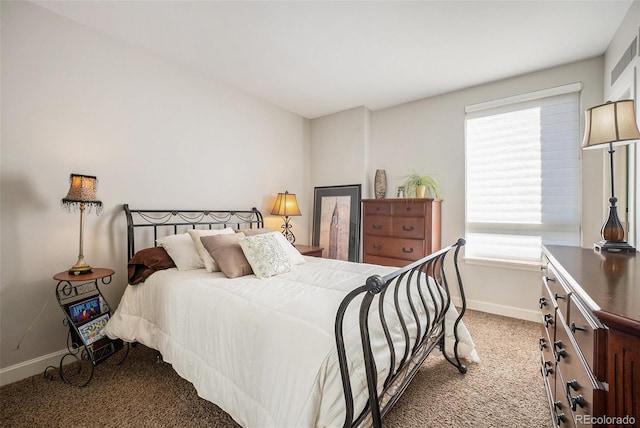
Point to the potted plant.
(421, 185)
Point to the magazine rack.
(86, 313)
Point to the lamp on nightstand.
(286, 206)
(612, 124)
(82, 193)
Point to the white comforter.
(263, 350)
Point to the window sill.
(505, 264)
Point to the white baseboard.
(507, 311)
(29, 368)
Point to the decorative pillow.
(181, 249)
(196, 234)
(265, 255)
(294, 255)
(226, 251)
(147, 261)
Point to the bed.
(322, 343)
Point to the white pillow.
(209, 264)
(182, 251)
(294, 255)
(265, 255)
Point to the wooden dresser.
(399, 231)
(590, 343)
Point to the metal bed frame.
(428, 334)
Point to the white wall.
(628, 30)
(156, 134)
(428, 135)
(339, 143)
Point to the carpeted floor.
(504, 389)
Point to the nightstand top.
(96, 273)
(306, 250)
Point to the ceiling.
(313, 58)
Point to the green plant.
(414, 180)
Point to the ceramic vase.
(380, 184)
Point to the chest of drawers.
(399, 231)
(590, 341)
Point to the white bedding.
(262, 350)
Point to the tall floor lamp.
(82, 193)
(612, 124)
(286, 205)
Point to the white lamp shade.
(613, 122)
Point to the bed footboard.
(419, 305)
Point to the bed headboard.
(145, 226)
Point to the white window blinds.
(523, 175)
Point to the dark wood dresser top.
(610, 282)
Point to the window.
(523, 175)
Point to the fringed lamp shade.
(609, 125)
(286, 205)
(82, 192)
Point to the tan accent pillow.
(226, 251)
(196, 234)
(252, 232)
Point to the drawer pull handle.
(377, 226)
(559, 296)
(377, 247)
(559, 350)
(577, 400)
(543, 343)
(407, 228)
(548, 319)
(409, 251)
(542, 302)
(549, 279)
(560, 418)
(547, 369)
(574, 327)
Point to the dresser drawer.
(377, 225)
(405, 249)
(586, 332)
(575, 385)
(373, 208)
(559, 292)
(409, 208)
(548, 312)
(408, 227)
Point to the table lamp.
(610, 125)
(286, 206)
(82, 193)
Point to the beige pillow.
(207, 260)
(226, 251)
(182, 251)
(252, 232)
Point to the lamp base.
(80, 268)
(613, 246)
